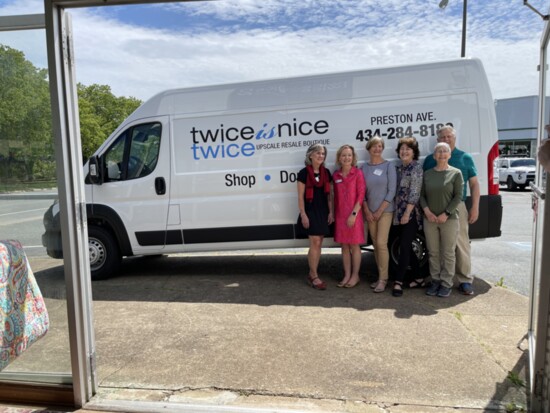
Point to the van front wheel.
(104, 253)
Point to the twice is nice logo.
(234, 142)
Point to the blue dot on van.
(268, 177)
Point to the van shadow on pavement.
(263, 280)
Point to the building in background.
(517, 125)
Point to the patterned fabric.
(23, 315)
(409, 187)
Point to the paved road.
(507, 259)
(21, 218)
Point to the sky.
(141, 50)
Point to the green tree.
(25, 116)
(26, 138)
(100, 114)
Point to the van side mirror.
(95, 170)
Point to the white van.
(214, 168)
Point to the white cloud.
(13, 8)
(239, 40)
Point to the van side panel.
(234, 151)
(238, 170)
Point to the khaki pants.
(463, 250)
(441, 243)
(379, 232)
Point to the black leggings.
(407, 257)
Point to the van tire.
(421, 252)
(104, 253)
(510, 184)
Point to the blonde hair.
(339, 152)
(373, 141)
(312, 149)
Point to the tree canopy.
(100, 114)
(25, 116)
(26, 139)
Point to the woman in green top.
(441, 194)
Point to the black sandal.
(418, 283)
(397, 290)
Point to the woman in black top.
(315, 204)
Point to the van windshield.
(523, 162)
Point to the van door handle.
(160, 186)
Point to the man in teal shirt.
(464, 162)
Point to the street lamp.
(526, 3)
(442, 5)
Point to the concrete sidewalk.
(243, 332)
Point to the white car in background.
(516, 172)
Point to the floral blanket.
(23, 315)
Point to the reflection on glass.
(538, 205)
(27, 189)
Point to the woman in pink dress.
(349, 193)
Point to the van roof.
(415, 80)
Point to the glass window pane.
(28, 189)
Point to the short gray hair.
(442, 145)
(445, 128)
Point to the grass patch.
(515, 379)
(514, 408)
(500, 283)
(8, 187)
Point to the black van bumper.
(51, 239)
(490, 217)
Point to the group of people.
(408, 197)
